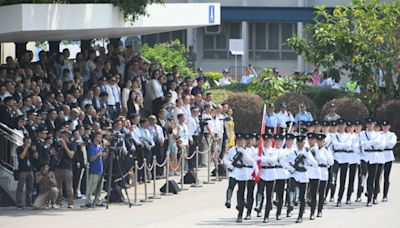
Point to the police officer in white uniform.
(390, 140)
(238, 162)
(297, 163)
(371, 144)
(282, 174)
(250, 185)
(268, 160)
(313, 173)
(325, 160)
(341, 144)
(353, 154)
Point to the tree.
(357, 37)
(131, 9)
(168, 54)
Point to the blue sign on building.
(211, 14)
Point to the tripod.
(109, 165)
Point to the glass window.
(150, 39)
(213, 28)
(289, 55)
(250, 35)
(287, 32)
(164, 37)
(221, 42)
(234, 30)
(267, 55)
(273, 36)
(260, 36)
(179, 35)
(208, 42)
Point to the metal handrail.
(11, 134)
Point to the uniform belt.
(247, 166)
(373, 151)
(340, 151)
(322, 165)
(387, 149)
(278, 167)
(268, 167)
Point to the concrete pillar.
(300, 61)
(54, 46)
(85, 45)
(20, 49)
(245, 37)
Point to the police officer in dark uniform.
(31, 125)
(7, 114)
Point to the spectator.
(47, 186)
(125, 96)
(155, 92)
(26, 159)
(158, 137)
(95, 153)
(225, 80)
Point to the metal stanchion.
(154, 196)
(146, 197)
(197, 184)
(182, 170)
(136, 202)
(208, 168)
(167, 193)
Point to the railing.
(10, 139)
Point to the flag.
(256, 176)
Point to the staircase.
(9, 140)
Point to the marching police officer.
(238, 162)
(268, 159)
(390, 140)
(353, 156)
(313, 173)
(297, 163)
(251, 183)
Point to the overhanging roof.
(268, 14)
(37, 22)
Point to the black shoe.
(275, 203)
(228, 205)
(87, 206)
(278, 217)
(239, 219)
(312, 217)
(358, 199)
(299, 220)
(339, 204)
(369, 204)
(319, 214)
(258, 214)
(295, 203)
(257, 209)
(385, 199)
(266, 220)
(375, 201)
(348, 201)
(100, 205)
(248, 217)
(288, 214)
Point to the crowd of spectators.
(67, 112)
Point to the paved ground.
(202, 207)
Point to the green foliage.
(348, 108)
(390, 111)
(269, 86)
(213, 75)
(219, 95)
(168, 54)
(322, 95)
(131, 9)
(356, 37)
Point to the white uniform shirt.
(252, 152)
(289, 161)
(371, 143)
(313, 172)
(240, 174)
(390, 140)
(324, 159)
(283, 118)
(354, 158)
(340, 145)
(268, 159)
(281, 173)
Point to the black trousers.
(231, 185)
(378, 175)
(313, 185)
(250, 195)
(158, 151)
(321, 194)
(269, 190)
(302, 193)
(371, 180)
(342, 168)
(240, 197)
(192, 149)
(76, 175)
(362, 177)
(280, 191)
(387, 167)
(352, 175)
(329, 183)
